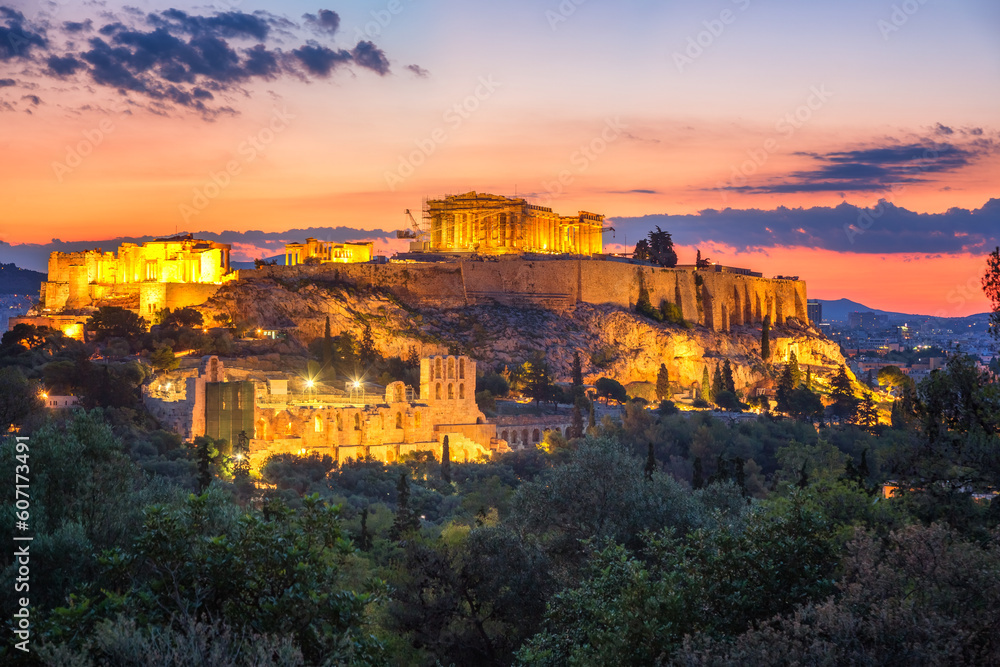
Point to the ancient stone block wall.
(713, 299)
(156, 296)
(441, 284)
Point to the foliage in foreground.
(666, 538)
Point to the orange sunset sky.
(758, 132)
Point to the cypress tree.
(405, 521)
(706, 385)
(206, 452)
(346, 358)
(728, 382)
(803, 477)
(327, 348)
(445, 461)
(765, 339)
(721, 470)
(785, 387)
(740, 476)
(366, 348)
(663, 383)
(793, 363)
(718, 385)
(896, 415)
(698, 480)
(845, 405)
(577, 372)
(650, 462)
(841, 383)
(576, 426)
(365, 540)
(591, 422)
(867, 414)
(809, 378)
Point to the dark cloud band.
(174, 57)
(885, 228)
(880, 168)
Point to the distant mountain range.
(20, 281)
(837, 310)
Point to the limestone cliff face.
(613, 341)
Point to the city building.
(53, 402)
(866, 319)
(493, 224)
(327, 252)
(815, 310)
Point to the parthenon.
(493, 224)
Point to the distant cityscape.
(917, 344)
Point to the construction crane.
(414, 232)
(613, 231)
(417, 236)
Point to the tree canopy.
(116, 322)
(658, 249)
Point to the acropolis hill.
(502, 312)
(496, 277)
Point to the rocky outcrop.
(613, 341)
